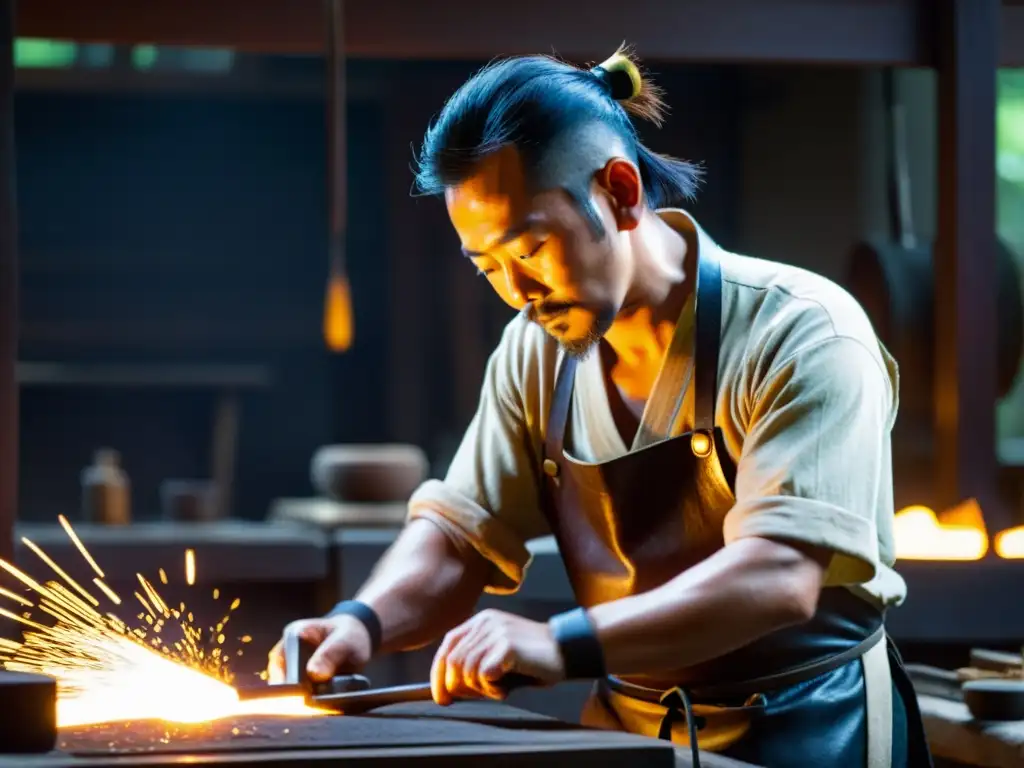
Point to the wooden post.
(407, 117)
(8, 290)
(967, 51)
(466, 323)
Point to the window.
(1010, 159)
(1010, 226)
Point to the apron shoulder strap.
(707, 338)
(554, 441)
(558, 412)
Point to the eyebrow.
(510, 234)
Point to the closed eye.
(534, 252)
(484, 271)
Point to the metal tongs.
(348, 694)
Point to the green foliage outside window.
(1010, 226)
(1010, 158)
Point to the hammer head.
(297, 653)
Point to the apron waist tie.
(678, 701)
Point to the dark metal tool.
(297, 653)
(353, 701)
(348, 694)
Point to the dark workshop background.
(173, 211)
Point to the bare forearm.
(423, 586)
(743, 592)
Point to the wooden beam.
(965, 255)
(8, 290)
(852, 32)
(1011, 34)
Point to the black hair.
(540, 105)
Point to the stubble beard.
(581, 348)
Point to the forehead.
(495, 195)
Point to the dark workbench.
(409, 734)
(226, 551)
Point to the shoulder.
(781, 300)
(778, 317)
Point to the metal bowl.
(368, 473)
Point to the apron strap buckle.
(701, 443)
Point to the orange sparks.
(25, 579)
(15, 597)
(59, 571)
(107, 669)
(154, 598)
(111, 594)
(78, 543)
(190, 567)
(21, 620)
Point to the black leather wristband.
(366, 616)
(582, 654)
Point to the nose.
(522, 287)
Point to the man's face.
(540, 252)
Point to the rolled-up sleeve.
(815, 465)
(489, 499)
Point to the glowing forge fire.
(956, 534)
(107, 670)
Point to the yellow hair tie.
(622, 75)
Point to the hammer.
(348, 693)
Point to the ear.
(621, 180)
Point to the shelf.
(210, 376)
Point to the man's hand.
(475, 655)
(343, 646)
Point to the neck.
(662, 283)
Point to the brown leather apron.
(631, 524)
